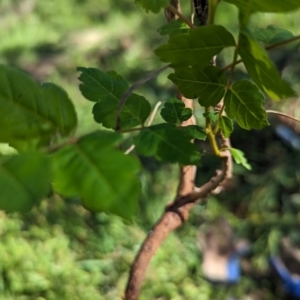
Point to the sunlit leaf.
(239, 158)
(175, 112)
(226, 126)
(30, 113)
(208, 83)
(103, 177)
(197, 47)
(194, 132)
(272, 34)
(24, 180)
(173, 28)
(107, 89)
(244, 102)
(261, 68)
(167, 143)
(152, 5)
(247, 7)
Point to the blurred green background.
(61, 251)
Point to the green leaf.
(272, 34)
(197, 47)
(244, 102)
(208, 83)
(261, 68)
(247, 7)
(152, 5)
(24, 180)
(59, 108)
(194, 132)
(175, 112)
(104, 177)
(239, 158)
(31, 114)
(167, 143)
(212, 116)
(226, 126)
(173, 28)
(107, 89)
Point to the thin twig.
(150, 120)
(128, 92)
(282, 114)
(180, 16)
(174, 216)
(155, 109)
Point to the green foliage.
(261, 69)
(195, 48)
(173, 28)
(249, 7)
(152, 5)
(194, 132)
(244, 102)
(94, 155)
(272, 34)
(239, 158)
(106, 89)
(175, 112)
(207, 84)
(24, 180)
(83, 253)
(226, 126)
(42, 112)
(167, 143)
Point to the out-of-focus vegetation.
(61, 251)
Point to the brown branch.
(177, 212)
(174, 216)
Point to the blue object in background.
(288, 135)
(291, 282)
(233, 269)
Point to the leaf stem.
(216, 129)
(282, 114)
(212, 6)
(180, 16)
(210, 135)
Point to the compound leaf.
(167, 143)
(24, 180)
(244, 102)
(107, 89)
(103, 177)
(208, 83)
(272, 34)
(152, 5)
(197, 47)
(175, 112)
(261, 68)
